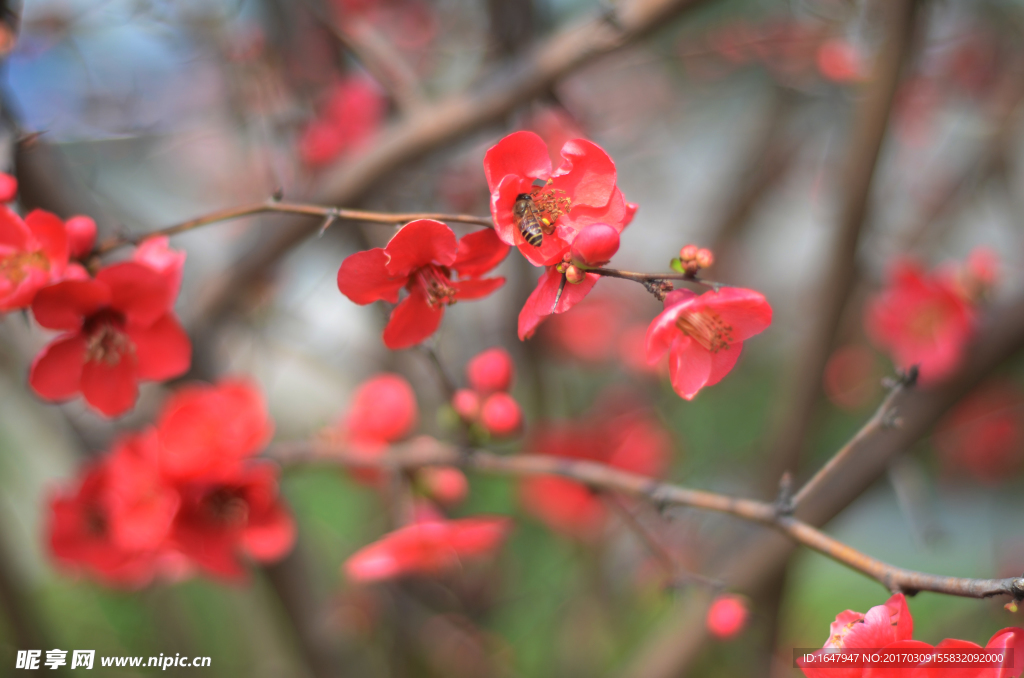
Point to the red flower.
(206, 431)
(428, 548)
(33, 254)
(383, 410)
(727, 616)
(238, 515)
(984, 434)
(352, 113)
(921, 319)
(594, 246)
(704, 334)
(141, 502)
(489, 371)
(82, 235)
(120, 329)
(80, 534)
(8, 188)
(580, 192)
(630, 440)
(421, 258)
(443, 484)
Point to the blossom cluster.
(487, 401)
(890, 626)
(182, 495)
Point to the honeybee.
(532, 226)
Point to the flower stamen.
(437, 284)
(707, 329)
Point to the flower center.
(95, 522)
(707, 329)
(551, 203)
(435, 281)
(226, 507)
(106, 340)
(925, 323)
(13, 266)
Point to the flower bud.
(705, 259)
(383, 408)
(688, 253)
(467, 404)
(727, 616)
(501, 415)
(490, 370)
(575, 275)
(595, 245)
(8, 187)
(444, 484)
(81, 232)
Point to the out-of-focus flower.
(428, 548)
(351, 114)
(383, 409)
(852, 377)
(33, 254)
(631, 440)
(443, 484)
(230, 516)
(420, 257)
(119, 329)
(839, 61)
(490, 371)
(921, 319)
(727, 616)
(207, 430)
(556, 127)
(704, 334)
(984, 434)
(582, 191)
(466, 403)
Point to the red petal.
(723, 361)
(479, 252)
(617, 213)
(155, 253)
(49, 230)
(163, 349)
(57, 372)
(412, 321)
(142, 294)
(475, 289)
(13, 231)
(689, 366)
(65, 305)
(550, 252)
(542, 299)
(523, 154)
(503, 199)
(272, 537)
(111, 388)
(419, 243)
(746, 311)
(364, 278)
(587, 173)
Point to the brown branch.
(655, 277)
(437, 124)
(328, 213)
(606, 478)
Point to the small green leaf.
(677, 265)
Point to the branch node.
(892, 419)
(659, 288)
(784, 505)
(277, 195)
(331, 216)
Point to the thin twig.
(607, 478)
(329, 214)
(654, 277)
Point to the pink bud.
(595, 245)
(688, 253)
(704, 258)
(8, 187)
(575, 275)
(81, 235)
(501, 415)
(383, 409)
(490, 371)
(727, 616)
(444, 484)
(466, 404)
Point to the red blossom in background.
(33, 253)
(352, 113)
(983, 435)
(921, 319)
(82, 236)
(487, 402)
(704, 334)
(582, 191)
(428, 548)
(615, 434)
(182, 495)
(119, 330)
(853, 377)
(727, 616)
(421, 257)
(8, 188)
(383, 411)
(491, 370)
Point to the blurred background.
(745, 126)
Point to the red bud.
(501, 415)
(467, 404)
(688, 253)
(8, 187)
(490, 371)
(595, 245)
(81, 235)
(705, 259)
